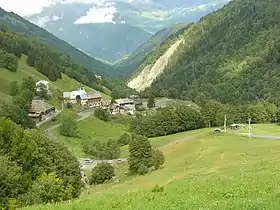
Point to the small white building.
(77, 96)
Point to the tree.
(158, 158)
(102, 114)
(14, 88)
(140, 154)
(213, 113)
(124, 139)
(42, 92)
(151, 102)
(69, 127)
(47, 188)
(257, 112)
(12, 183)
(101, 173)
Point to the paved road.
(260, 136)
(83, 115)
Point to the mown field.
(201, 172)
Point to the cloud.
(26, 7)
(99, 14)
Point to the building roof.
(106, 102)
(94, 95)
(124, 101)
(44, 82)
(66, 94)
(39, 106)
(84, 97)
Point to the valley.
(140, 105)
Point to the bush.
(69, 127)
(101, 173)
(102, 114)
(124, 139)
(105, 150)
(143, 169)
(157, 189)
(158, 158)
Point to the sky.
(25, 7)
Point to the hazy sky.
(24, 7)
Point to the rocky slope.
(151, 72)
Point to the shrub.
(143, 169)
(69, 127)
(105, 150)
(101, 173)
(102, 114)
(158, 158)
(124, 139)
(157, 188)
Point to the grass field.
(93, 129)
(201, 172)
(24, 71)
(265, 129)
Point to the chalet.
(94, 99)
(124, 102)
(40, 110)
(123, 106)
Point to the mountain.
(127, 66)
(231, 55)
(19, 24)
(111, 29)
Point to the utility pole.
(249, 132)
(225, 124)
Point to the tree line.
(44, 58)
(168, 120)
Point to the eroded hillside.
(151, 71)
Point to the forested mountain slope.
(43, 58)
(20, 25)
(128, 65)
(232, 55)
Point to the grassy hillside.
(20, 25)
(93, 129)
(24, 71)
(130, 64)
(231, 55)
(201, 172)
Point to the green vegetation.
(34, 169)
(129, 65)
(202, 172)
(230, 55)
(42, 57)
(20, 25)
(69, 127)
(101, 173)
(168, 120)
(140, 155)
(104, 150)
(102, 114)
(94, 130)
